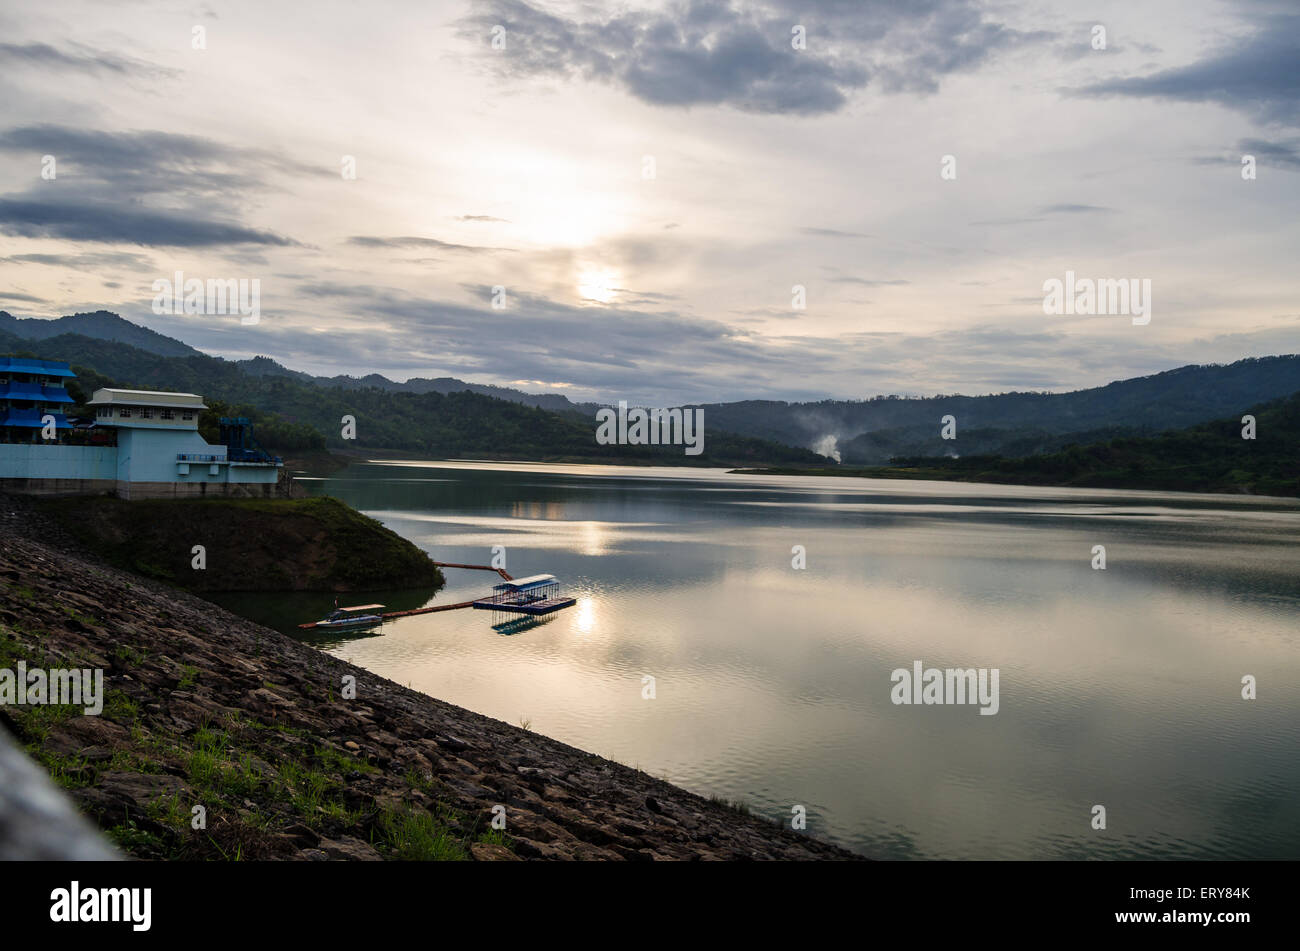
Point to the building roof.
(38, 367)
(526, 584)
(111, 397)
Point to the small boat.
(359, 615)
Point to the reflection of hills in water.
(283, 611)
(517, 625)
(336, 637)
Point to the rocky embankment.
(205, 709)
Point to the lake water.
(1119, 687)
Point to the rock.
(489, 852)
(143, 788)
(349, 849)
(302, 834)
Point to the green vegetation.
(1210, 457)
(315, 544)
(253, 778)
(291, 414)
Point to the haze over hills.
(865, 432)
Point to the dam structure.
(137, 444)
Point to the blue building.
(29, 390)
(140, 443)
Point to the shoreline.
(941, 475)
(207, 709)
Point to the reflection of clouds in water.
(1109, 678)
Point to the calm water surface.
(1119, 687)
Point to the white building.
(152, 449)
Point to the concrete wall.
(142, 465)
(35, 461)
(149, 456)
(198, 490)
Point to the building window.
(146, 413)
(187, 415)
(124, 412)
(168, 414)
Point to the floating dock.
(538, 594)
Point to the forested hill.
(1208, 457)
(438, 425)
(1018, 423)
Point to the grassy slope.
(317, 544)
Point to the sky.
(617, 200)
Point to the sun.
(598, 284)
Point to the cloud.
(1074, 210)
(412, 241)
(80, 59)
(1257, 74)
(150, 188)
(719, 52)
(139, 163)
(867, 283)
(86, 261)
(832, 233)
(113, 223)
(481, 218)
(1283, 154)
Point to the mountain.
(265, 366)
(861, 432)
(432, 424)
(873, 430)
(1208, 457)
(101, 325)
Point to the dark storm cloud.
(716, 52)
(146, 188)
(1257, 75)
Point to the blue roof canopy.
(37, 367)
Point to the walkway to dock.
(439, 607)
(500, 571)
